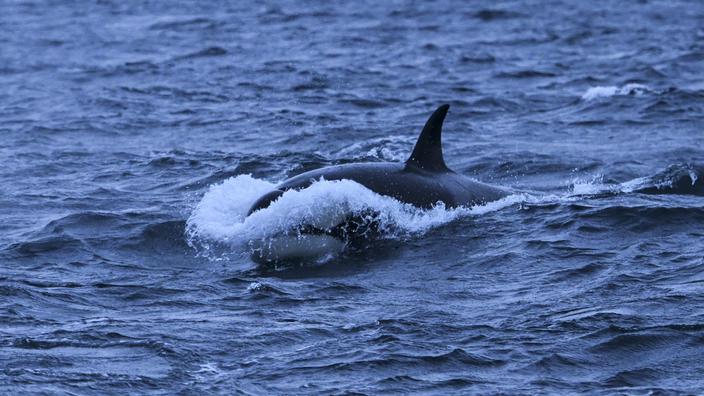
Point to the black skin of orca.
(423, 180)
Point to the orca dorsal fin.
(427, 154)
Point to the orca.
(423, 181)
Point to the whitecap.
(608, 91)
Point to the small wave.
(526, 74)
(682, 179)
(585, 271)
(637, 342)
(158, 236)
(365, 103)
(207, 52)
(609, 91)
(198, 23)
(457, 355)
(557, 361)
(315, 83)
(488, 15)
(644, 376)
(490, 104)
(477, 58)
(645, 218)
(263, 288)
(53, 243)
(592, 186)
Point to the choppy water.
(118, 120)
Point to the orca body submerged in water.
(422, 181)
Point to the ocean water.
(135, 134)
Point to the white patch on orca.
(295, 247)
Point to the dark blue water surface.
(119, 118)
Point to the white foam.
(223, 208)
(596, 186)
(220, 216)
(591, 186)
(605, 92)
(693, 176)
(255, 286)
(633, 185)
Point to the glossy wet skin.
(423, 180)
(404, 182)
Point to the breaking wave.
(682, 179)
(608, 91)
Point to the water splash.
(221, 215)
(683, 179)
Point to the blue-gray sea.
(133, 133)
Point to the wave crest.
(609, 91)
